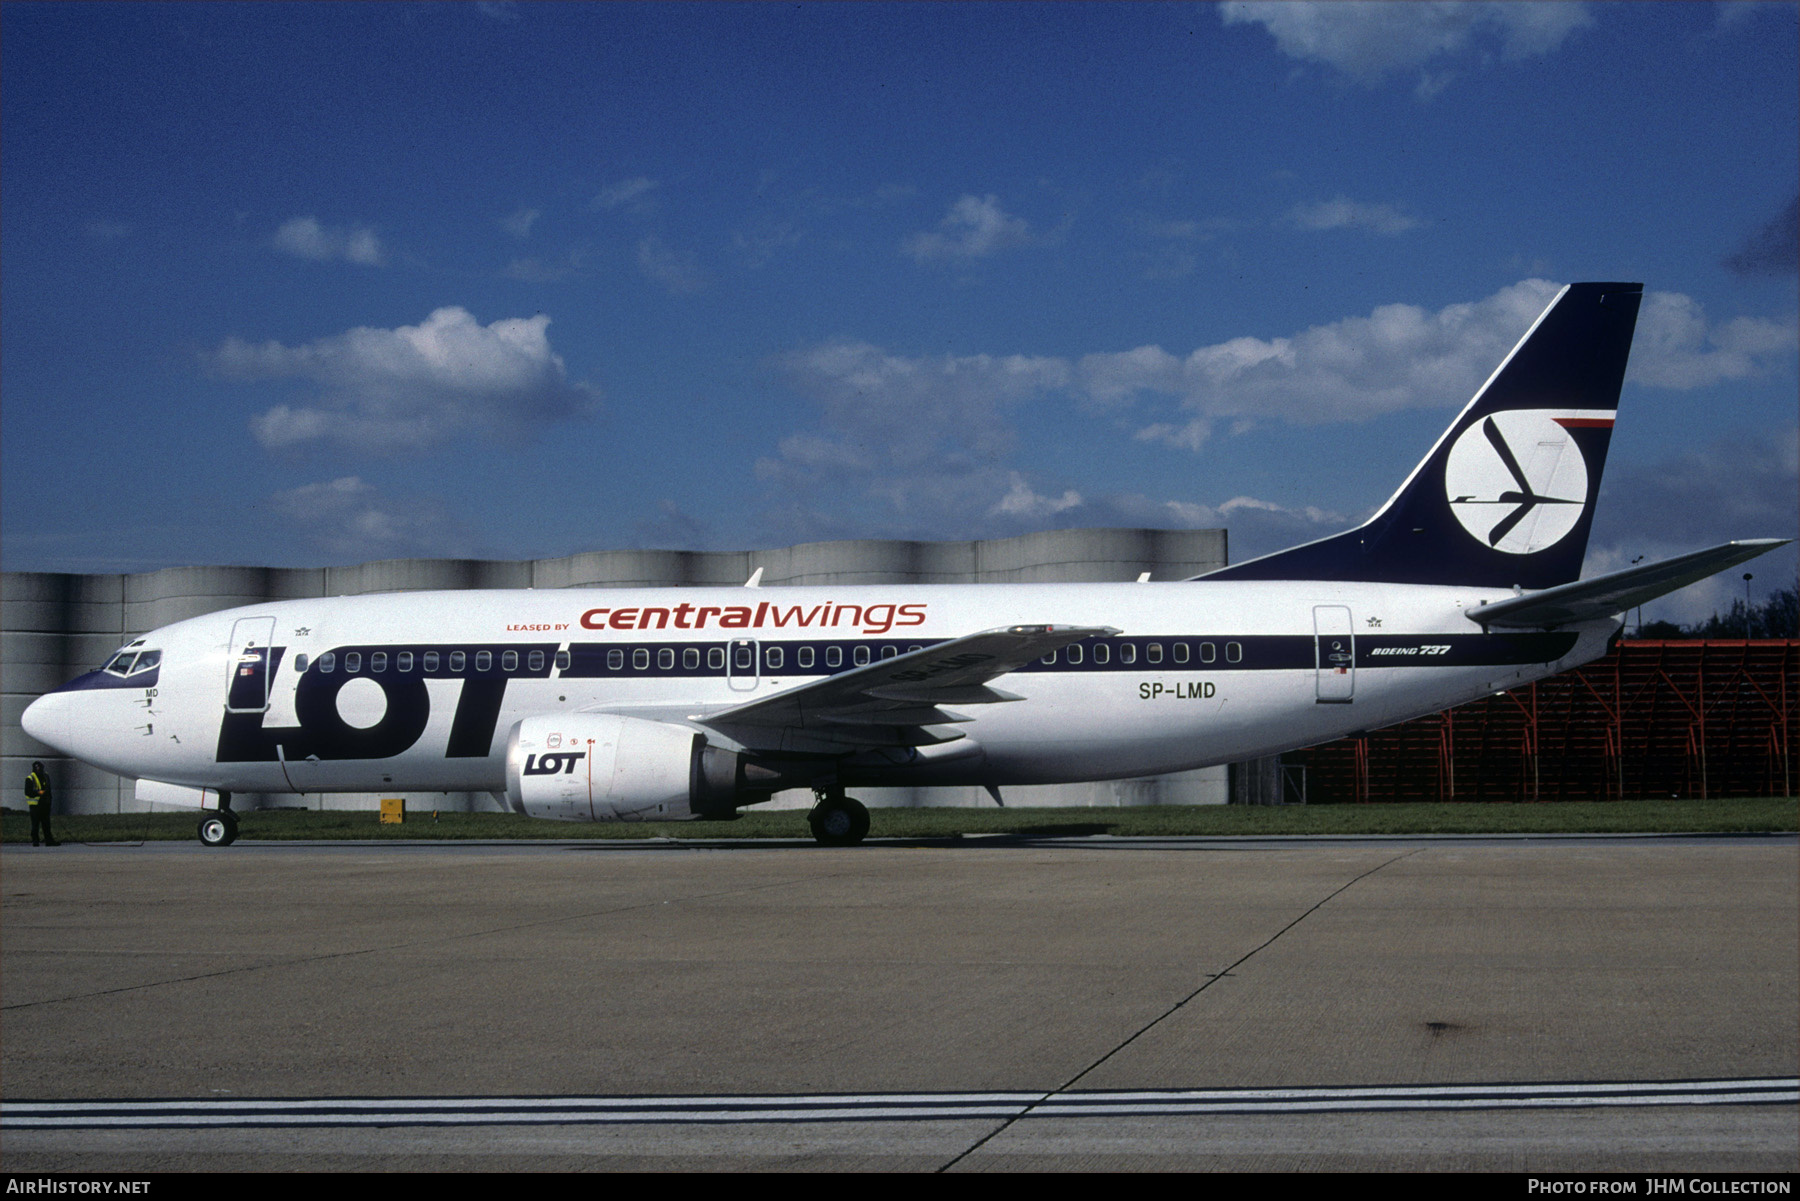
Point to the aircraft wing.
(890, 702)
(1611, 594)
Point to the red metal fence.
(1652, 719)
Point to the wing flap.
(916, 715)
(973, 694)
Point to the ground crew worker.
(37, 799)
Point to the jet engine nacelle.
(603, 767)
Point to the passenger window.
(378, 661)
(773, 657)
(665, 659)
(861, 654)
(1074, 654)
(690, 658)
(1234, 653)
(328, 662)
(1153, 652)
(509, 661)
(615, 659)
(742, 657)
(484, 660)
(300, 662)
(536, 662)
(403, 660)
(353, 661)
(715, 658)
(1127, 652)
(431, 660)
(1181, 652)
(458, 661)
(562, 660)
(1049, 658)
(887, 652)
(640, 658)
(1102, 652)
(834, 656)
(1207, 654)
(805, 656)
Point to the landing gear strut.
(219, 829)
(838, 820)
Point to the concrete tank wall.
(54, 626)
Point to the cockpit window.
(131, 662)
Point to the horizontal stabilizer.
(1611, 594)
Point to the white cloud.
(672, 528)
(909, 446)
(1021, 501)
(520, 221)
(919, 447)
(411, 387)
(1405, 357)
(537, 271)
(634, 194)
(975, 227)
(1344, 213)
(349, 517)
(308, 239)
(1675, 347)
(1398, 357)
(1370, 41)
(759, 249)
(916, 409)
(924, 442)
(675, 270)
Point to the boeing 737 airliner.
(666, 704)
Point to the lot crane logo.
(1516, 479)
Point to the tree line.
(1777, 617)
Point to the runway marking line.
(875, 1107)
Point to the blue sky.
(319, 284)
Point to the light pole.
(1640, 608)
(1747, 578)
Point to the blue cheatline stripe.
(877, 1107)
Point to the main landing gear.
(837, 820)
(219, 829)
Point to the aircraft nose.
(49, 720)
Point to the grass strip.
(1735, 816)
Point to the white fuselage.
(1200, 673)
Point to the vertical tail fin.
(1506, 496)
